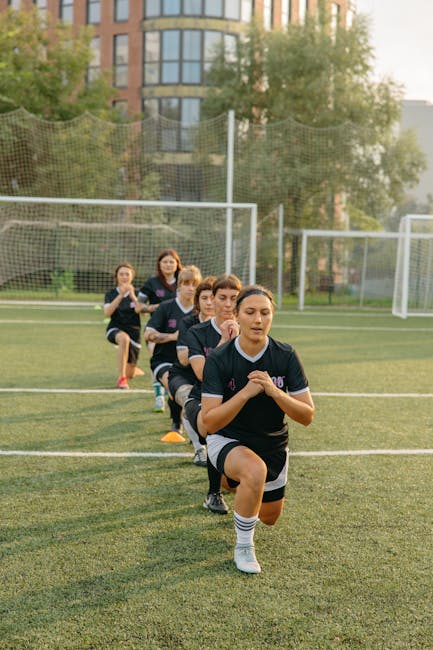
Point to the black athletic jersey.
(261, 422)
(201, 340)
(167, 319)
(124, 317)
(154, 292)
(177, 369)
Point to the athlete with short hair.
(250, 385)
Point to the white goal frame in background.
(231, 210)
(310, 234)
(414, 275)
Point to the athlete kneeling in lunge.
(249, 385)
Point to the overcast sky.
(401, 34)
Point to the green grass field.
(116, 551)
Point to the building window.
(120, 61)
(152, 8)
(230, 9)
(151, 58)
(15, 4)
(303, 10)
(213, 41)
(171, 7)
(335, 17)
(246, 11)
(170, 55)
(191, 56)
(94, 69)
(121, 10)
(67, 11)
(93, 12)
(192, 7)
(183, 56)
(268, 14)
(42, 6)
(213, 8)
(121, 107)
(286, 13)
(175, 134)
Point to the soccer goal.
(351, 266)
(413, 288)
(67, 248)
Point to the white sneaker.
(200, 457)
(159, 404)
(245, 559)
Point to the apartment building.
(159, 50)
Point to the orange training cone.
(173, 436)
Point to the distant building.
(159, 50)
(418, 116)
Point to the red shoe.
(122, 382)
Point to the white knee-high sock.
(245, 527)
(192, 434)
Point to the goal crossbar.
(225, 207)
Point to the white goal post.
(357, 263)
(45, 242)
(413, 287)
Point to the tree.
(314, 126)
(43, 68)
(314, 123)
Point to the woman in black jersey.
(161, 286)
(123, 328)
(250, 385)
(155, 290)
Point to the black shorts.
(174, 383)
(192, 410)
(276, 460)
(134, 346)
(160, 370)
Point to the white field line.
(350, 328)
(82, 391)
(133, 454)
(103, 391)
(11, 321)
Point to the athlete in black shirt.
(162, 330)
(155, 290)
(123, 328)
(181, 377)
(250, 385)
(201, 340)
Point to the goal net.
(346, 267)
(413, 289)
(68, 248)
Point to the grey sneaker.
(215, 503)
(200, 457)
(159, 404)
(245, 559)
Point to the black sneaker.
(215, 503)
(175, 426)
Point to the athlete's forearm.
(216, 417)
(299, 408)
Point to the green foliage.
(346, 141)
(43, 68)
(62, 281)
